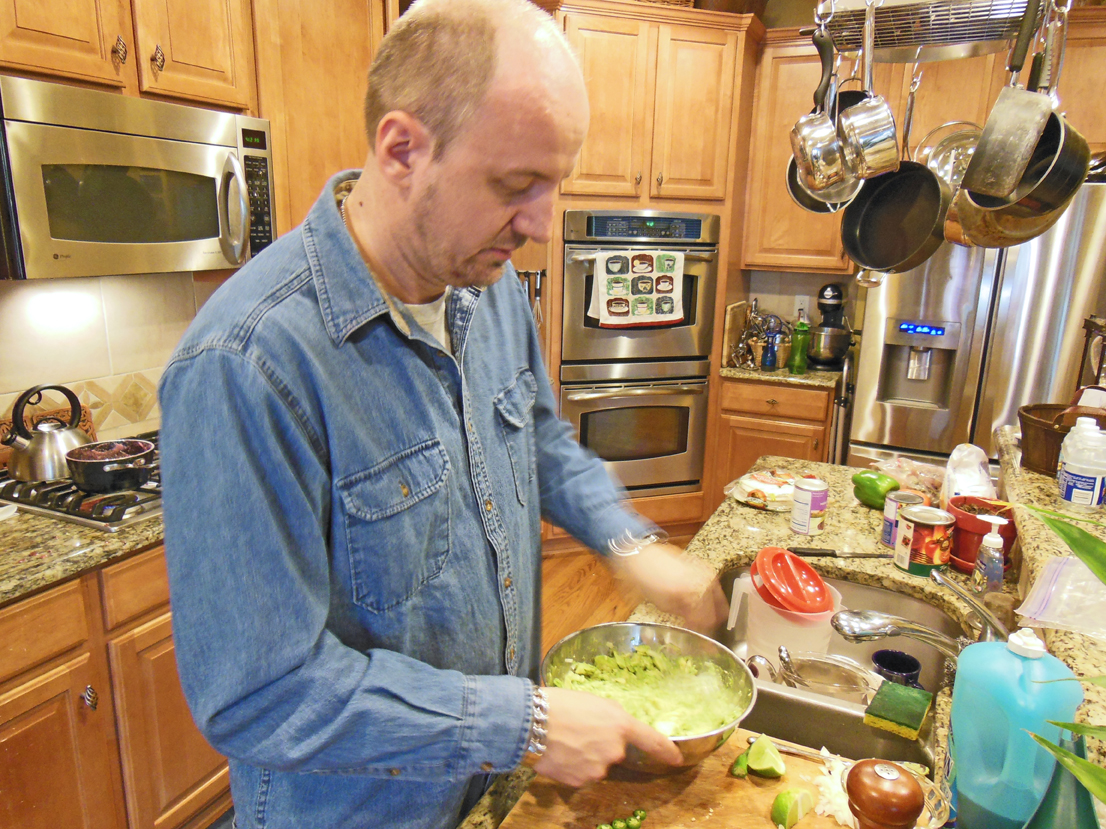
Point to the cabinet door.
(57, 754)
(779, 234)
(1081, 76)
(743, 440)
(169, 770)
(72, 40)
(615, 57)
(694, 102)
(199, 50)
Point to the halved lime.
(764, 758)
(790, 807)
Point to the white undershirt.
(431, 316)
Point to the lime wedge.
(764, 758)
(740, 767)
(790, 807)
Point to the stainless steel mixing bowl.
(586, 644)
(828, 344)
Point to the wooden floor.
(578, 591)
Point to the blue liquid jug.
(1001, 773)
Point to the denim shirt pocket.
(514, 405)
(397, 525)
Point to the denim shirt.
(352, 526)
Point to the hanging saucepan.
(867, 129)
(896, 220)
(949, 156)
(819, 158)
(111, 465)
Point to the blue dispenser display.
(1001, 773)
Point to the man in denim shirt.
(358, 443)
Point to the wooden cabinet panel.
(776, 400)
(694, 103)
(615, 57)
(951, 90)
(1081, 77)
(71, 39)
(43, 626)
(134, 586)
(169, 770)
(56, 753)
(200, 50)
(743, 440)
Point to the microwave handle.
(607, 395)
(233, 240)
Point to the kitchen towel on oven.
(638, 288)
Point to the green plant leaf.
(1083, 728)
(1090, 549)
(1100, 681)
(1091, 776)
(1062, 516)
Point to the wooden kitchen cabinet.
(759, 419)
(1081, 77)
(650, 81)
(59, 763)
(200, 51)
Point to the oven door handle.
(581, 396)
(584, 256)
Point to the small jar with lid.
(883, 795)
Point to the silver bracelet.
(539, 719)
(628, 544)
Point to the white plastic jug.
(769, 627)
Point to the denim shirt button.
(393, 772)
(488, 505)
(404, 490)
(507, 582)
(511, 654)
(487, 767)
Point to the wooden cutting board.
(700, 798)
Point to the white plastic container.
(1084, 475)
(989, 561)
(1083, 426)
(769, 627)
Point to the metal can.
(894, 502)
(808, 507)
(924, 541)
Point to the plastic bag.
(967, 473)
(923, 478)
(1067, 596)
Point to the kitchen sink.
(814, 720)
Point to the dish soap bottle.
(987, 576)
(800, 342)
(768, 356)
(1001, 693)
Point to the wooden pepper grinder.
(883, 795)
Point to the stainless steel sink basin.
(814, 720)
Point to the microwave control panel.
(261, 214)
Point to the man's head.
(476, 111)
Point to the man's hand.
(676, 584)
(588, 734)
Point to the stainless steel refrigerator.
(951, 349)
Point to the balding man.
(358, 444)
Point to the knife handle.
(812, 551)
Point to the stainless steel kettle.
(39, 455)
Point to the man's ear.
(403, 144)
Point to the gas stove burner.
(109, 512)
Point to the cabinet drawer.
(35, 629)
(777, 400)
(132, 587)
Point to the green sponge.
(899, 709)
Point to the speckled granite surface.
(817, 379)
(37, 552)
(733, 535)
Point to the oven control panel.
(644, 227)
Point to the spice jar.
(883, 795)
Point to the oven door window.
(634, 433)
(140, 205)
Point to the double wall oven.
(637, 395)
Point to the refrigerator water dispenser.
(918, 361)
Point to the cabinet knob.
(660, 179)
(119, 50)
(816, 443)
(158, 59)
(90, 697)
(637, 179)
(772, 402)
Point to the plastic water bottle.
(1000, 693)
(1084, 474)
(1083, 426)
(989, 561)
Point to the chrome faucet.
(865, 625)
(992, 630)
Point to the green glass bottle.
(800, 341)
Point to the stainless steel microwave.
(97, 184)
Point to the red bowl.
(969, 530)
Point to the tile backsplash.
(106, 338)
(776, 292)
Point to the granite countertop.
(734, 534)
(38, 552)
(815, 379)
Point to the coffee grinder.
(831, 339)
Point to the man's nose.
(534, 220)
